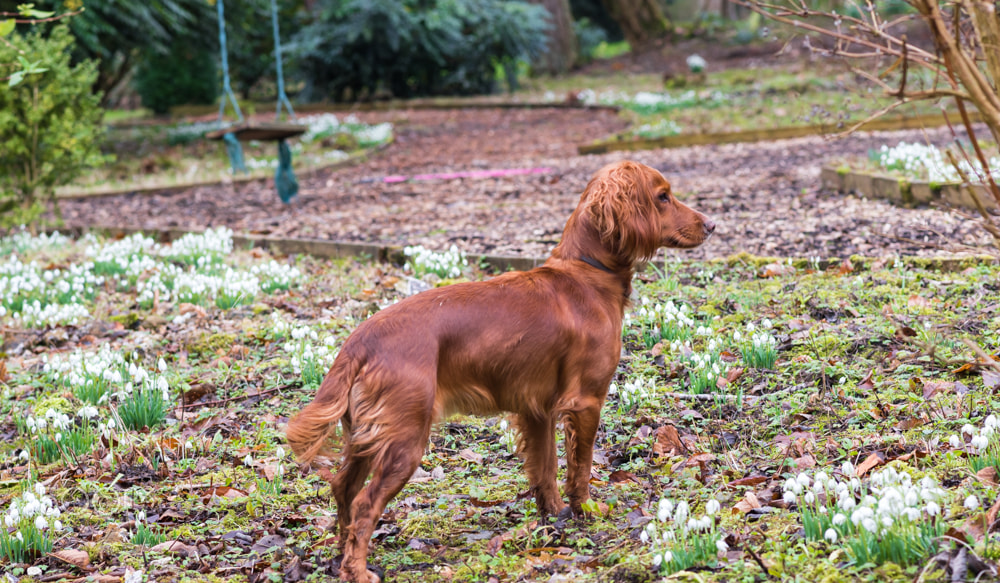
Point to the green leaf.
(28, 11)
(15, 78)
(7, 26)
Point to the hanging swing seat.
(261, 131)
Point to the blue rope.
(225, 68)
(282, 98)
(284, 178)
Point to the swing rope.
(284, 178)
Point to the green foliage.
(589, 37)
(184, 75)
(50, 123)
(358, 49)
(110, 32)
(143, 408)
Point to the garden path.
(765, 197)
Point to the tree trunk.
(641, 21)
(561, 52)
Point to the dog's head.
(635, 212)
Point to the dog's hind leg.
(538, 444)
(345, 486)
(392, 465)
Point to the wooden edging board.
(903, 192)
(394, 253)
(256, 175)
(761, 135)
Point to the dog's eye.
(664, 196)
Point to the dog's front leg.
(581, 424)
(538, 446)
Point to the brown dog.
(542, 344)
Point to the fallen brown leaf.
(77, 558)
(876, 458)
(668, 442)
(988, 476)
(748, 503)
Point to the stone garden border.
(903, 192)
(326, 248)
(762, 135)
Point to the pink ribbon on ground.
(468, 174)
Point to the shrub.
(182, 76)
(50, 123)
(367, 48)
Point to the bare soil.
(765, 197)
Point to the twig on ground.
(231, 399)
(986, 358)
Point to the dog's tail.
(309, 432)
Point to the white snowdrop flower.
(712, 506)
(869, 524)
(24, 456)
(644, 538)
(681, 512)
(980, 442)
(161, 384)
(721, 545)
(971, 503)
(41, 523)
(821, 478)
(57, 525)
(665, 509)
(789, 497)
(39, 489)
(839, 519)
(830, 535)
(991, 421)
(968, 429)
(954, 442)
(162, 365)
(855, 484)
(803, 480)
(809, 497)
(912, 514)
(140, 516)
(248, 461)
(668, 556)
(932, 508)
(280, 452)
(847, 469)
(33, 571)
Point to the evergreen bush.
(184, 75)
(50, 123)
(366, 49)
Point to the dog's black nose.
(709, 226)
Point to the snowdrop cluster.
(27, 525)
(34, 296)
(696, 63)
(658, 322)
(893, 517)
(930, 163)
(704, 368)
(443, 264)
(193, 247)
(648, 102)
(310, 356)
(757, 347)
(275, 276)
(22, 241)
(659, 129)
(97, 377)
(974, 440)
(981, 444)
(327, 124)
(635, 393)
(679, 540)
(508, 436)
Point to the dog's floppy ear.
(622, 209)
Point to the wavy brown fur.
(540, 344)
